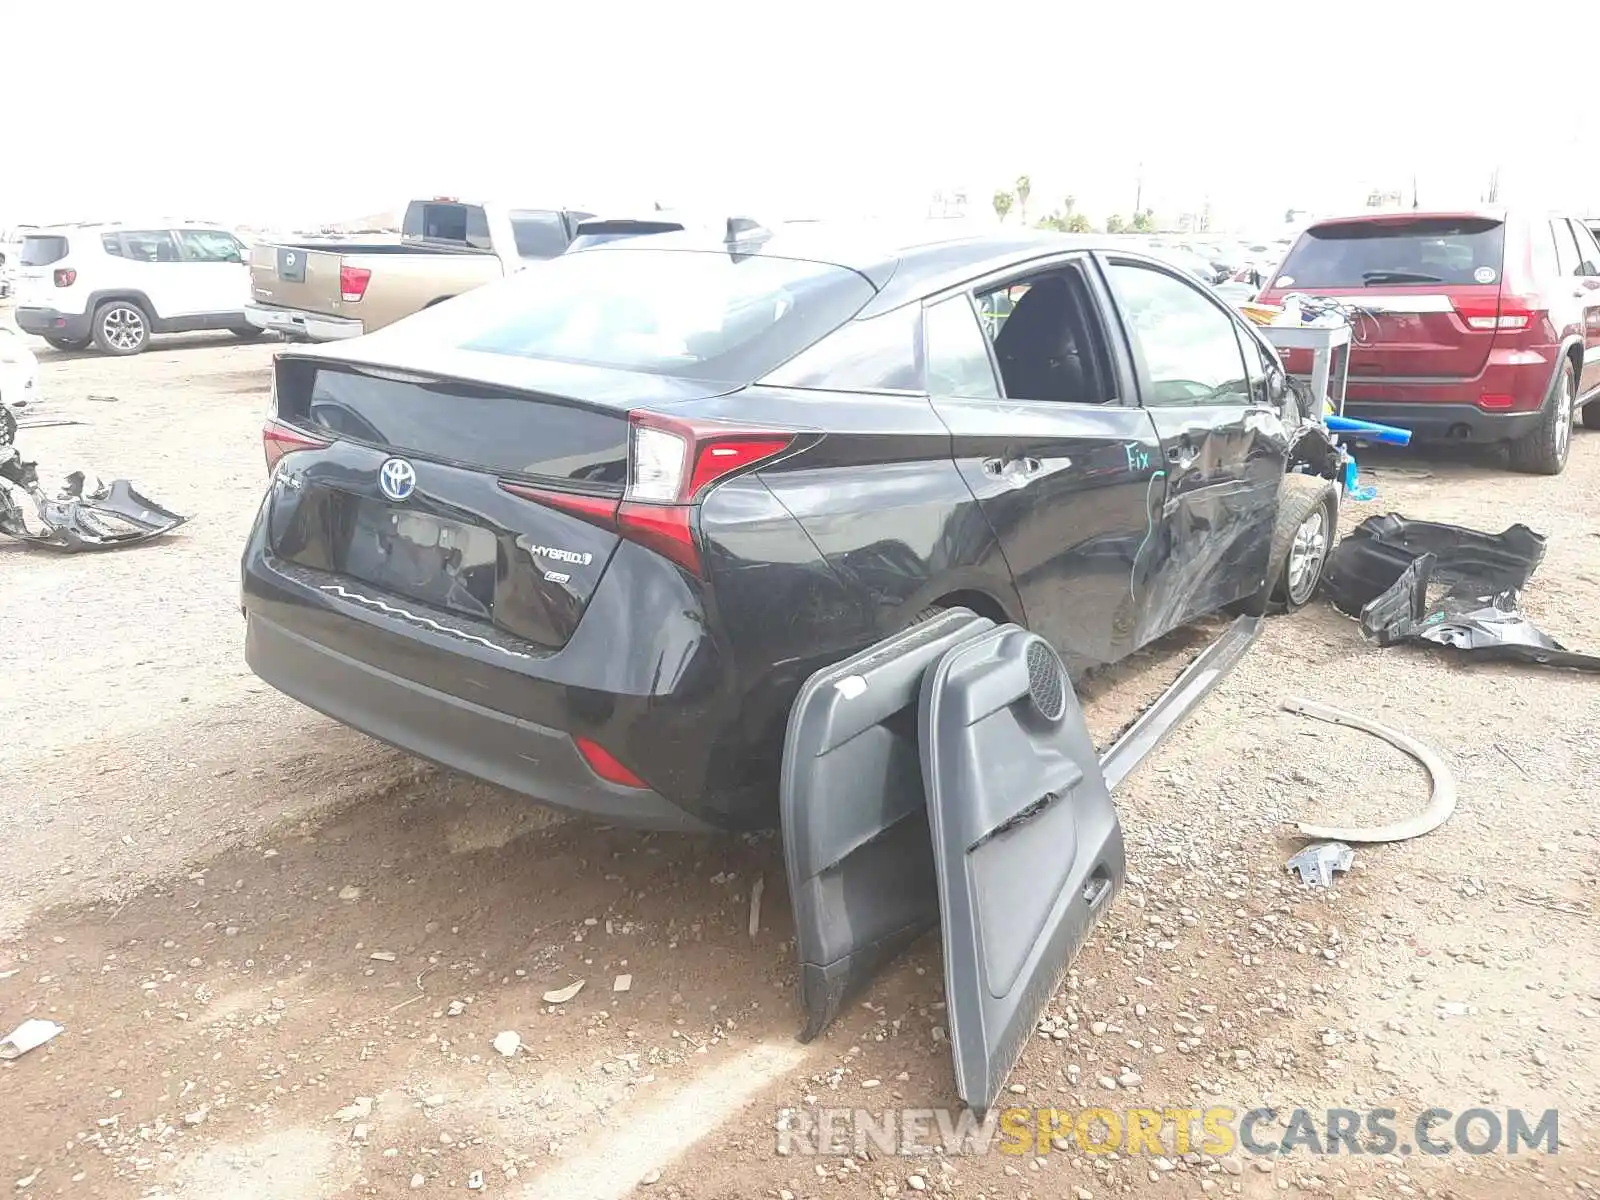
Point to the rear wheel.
(61, 343)
(121, 327)
(247, 333)
(1591, 414)
(1545, 450)
(1302, 539)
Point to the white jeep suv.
(116, 285)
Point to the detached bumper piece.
(947, 772)
(1445, 585)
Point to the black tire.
(61, 343)
(1591, 414)
(1307, 504)
(247, 333)
(1545, 451)
(121, 327)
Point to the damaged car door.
(1224, 446)
(1028, 852)
(1046, 432)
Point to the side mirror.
(1277, 385)
(1588, 268)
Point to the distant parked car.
(115, 286)
(1480, 326)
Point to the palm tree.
(1002, 204)
(1023, 189)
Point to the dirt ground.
(282, 953)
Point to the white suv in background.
(116, 285)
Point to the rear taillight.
(672, 464)
(1490, 313)
(278, 439)
(604, 764)
(65, 276)
(353, 282)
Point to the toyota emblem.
(397, 478)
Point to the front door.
(1223, 446)
(1060, 459)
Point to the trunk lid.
(296, 277)
(473, 532)
(1425, 290)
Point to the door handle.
(1000, 467)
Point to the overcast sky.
(293, 112)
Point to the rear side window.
(42, 251)
(957, 351)
(700, 315)
(539, 234)
(1354, 254)
(111, 244)
(150, 245)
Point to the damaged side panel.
(1027, 847)
(1212, 522)
(854, 818)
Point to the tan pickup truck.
(321, 291)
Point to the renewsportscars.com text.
(1215, 1131)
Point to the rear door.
(37, 260)
(215, 270)
(1584, 286)
(151, 263)
(1428, 288)
(1223, 447)
(1062, 470)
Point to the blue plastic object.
(1353, 489)
(1370, 431)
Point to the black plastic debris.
(1445, 585)
(82, 513)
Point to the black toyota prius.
(586, 532)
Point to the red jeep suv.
(1481, 326)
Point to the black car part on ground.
(854, 813)
(947, 769)
(1445, 585)
(81, 516)
(1027, 847)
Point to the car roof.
(111, 226)
(906, 261)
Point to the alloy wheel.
(123, 327)
(1306, 552)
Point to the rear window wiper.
(1399, 277)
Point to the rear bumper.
(1451, 409)
(526, 757)
(293, 322)
(48, 322)
(1445, 422)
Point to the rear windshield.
(42, 251)
(1445, 250)
(447, 221)
(684, 313)
(539, 234)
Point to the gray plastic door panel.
(854, 813)
(1027, 848)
